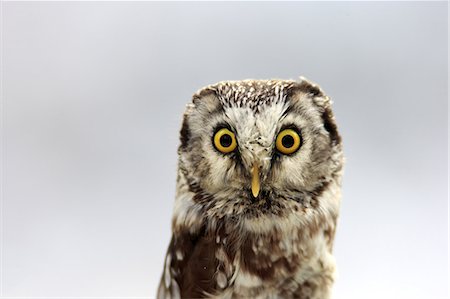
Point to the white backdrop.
(93, 95)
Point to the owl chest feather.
(276, 263)
(229, 262)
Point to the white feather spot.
(175, 290)
(179, 254)
(220, 255)
(245, 279)
(167, 276)
(162, 292)
(260, 243)
(282, 245)
(218, 239)
(221, 280)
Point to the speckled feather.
(228, 244)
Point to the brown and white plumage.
(229, 243)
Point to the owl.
(258, 193)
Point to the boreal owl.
(258, 193)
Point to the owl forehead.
(256, 95)
(256, 127)
(254, 108)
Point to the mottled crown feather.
(254, 93)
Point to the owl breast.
(264, 257)
(293, 263)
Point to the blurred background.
(93, 95)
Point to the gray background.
(93, 95)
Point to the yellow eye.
(288, 141)
(225, 141)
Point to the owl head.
(258, 147)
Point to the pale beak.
(255, 180)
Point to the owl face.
(258, 147)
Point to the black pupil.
(287, 141)
(225, 140)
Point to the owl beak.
(255, 180)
